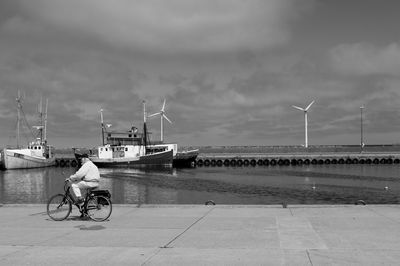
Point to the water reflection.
(129, 186)
(25, 187)
(320, 184)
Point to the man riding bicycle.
(87, 176)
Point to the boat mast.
(144, 125)
(102, 125)
(40, 127)
(45, 121)
(18, 100)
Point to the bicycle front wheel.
(99, 208)
(58, 207)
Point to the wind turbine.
(162, 116)
(305, 110)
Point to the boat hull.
(185, 159)
(160, 158)
(15, 160)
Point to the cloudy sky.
(230, 70)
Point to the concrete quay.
(204, 235)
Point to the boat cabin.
(123, 151)
(39, 149)
(118, 138)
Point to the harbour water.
(311, 184)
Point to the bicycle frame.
(68, 195)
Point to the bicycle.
(97, 205)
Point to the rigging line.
(26, 123)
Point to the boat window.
(126, 149)
(106, 149)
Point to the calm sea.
(313, 184)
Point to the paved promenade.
(204, 235)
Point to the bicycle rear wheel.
(99, 208)
(58, 207)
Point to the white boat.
(128, 148)
(37, 153)
(129, 155)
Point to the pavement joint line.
(309, 257)
(190, 226)
(27, 247)
(176, 237)
(4, 257)
(380, 214)
(38, 213)
(151, 257)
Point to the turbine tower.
(305, 110)
(162, 117)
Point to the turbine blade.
(167, 118)
(308, 107)
(301, 109)
(163, 106)
(154, 114)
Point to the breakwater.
(66, 161)
(242, 159)
(279, 155)
(217, 160)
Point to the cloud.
(229, 70)
(175, 26)
(366, 59)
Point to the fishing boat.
(37, 153)
(128, 148)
